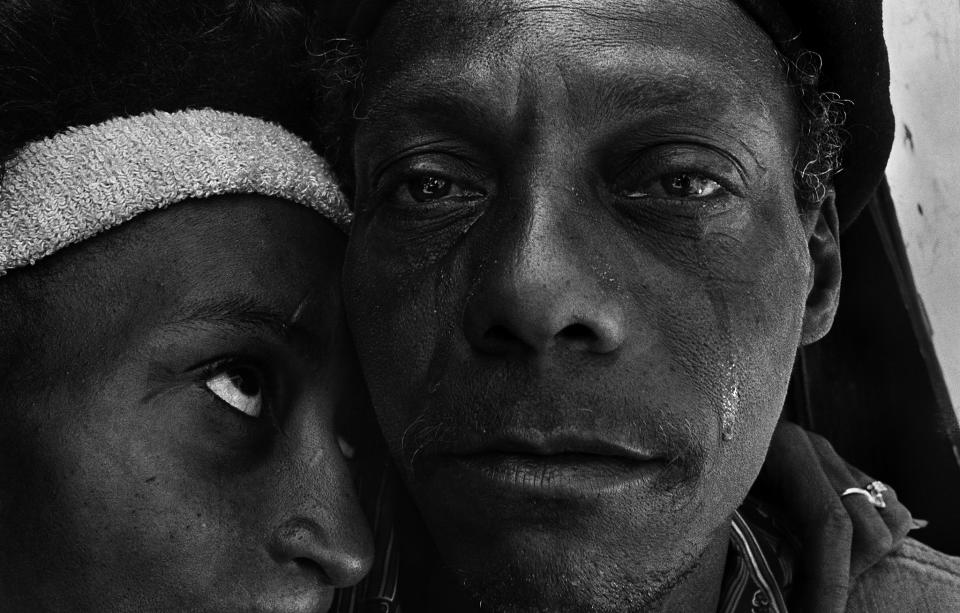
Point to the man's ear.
(823, 295)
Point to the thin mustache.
(565, 441)
(433, 433)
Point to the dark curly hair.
(818, 156)
(75, 62)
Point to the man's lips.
(565, 466)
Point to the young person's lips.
(294, 599)
(560, 467)
(284, 605)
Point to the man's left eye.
(240, 387)
(677, 185)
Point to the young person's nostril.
(314, 567)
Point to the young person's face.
(577, 280)
(169, 439)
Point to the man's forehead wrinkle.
(603, 69)
(619, 95)
(610, 76)
(447, 100)
(457, 82)
(488, 21)
(487, 24)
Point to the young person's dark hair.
(68, 63)
(65, 63)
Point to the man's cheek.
(394, 326)
(758, 297)
(754, 265)
(414, 239)
(726, 321)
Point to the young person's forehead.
(173, 263)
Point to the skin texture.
(127, 483)
(530, 264)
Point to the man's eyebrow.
(618, 95)
(449, 104)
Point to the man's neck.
(699, 591)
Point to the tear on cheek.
(732, 225)
(729, 401)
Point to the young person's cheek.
(103, 500)
(142, 494)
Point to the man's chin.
(558, 581)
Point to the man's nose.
(542, 285)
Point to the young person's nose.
(322, 526)
(338, 557)
(542, 284)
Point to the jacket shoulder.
(912, 578)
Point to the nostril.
(333, 572)
(499, 339)
(499, 334)
(313, 566)
(577, 332)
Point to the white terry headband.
(72, 186)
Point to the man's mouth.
(555, 467)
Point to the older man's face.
(578, 281)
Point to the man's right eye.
(424, 188)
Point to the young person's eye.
(239, 386)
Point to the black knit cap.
(848, 35)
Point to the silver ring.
(873, 492)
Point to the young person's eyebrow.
(240, 313)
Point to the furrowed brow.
(447, 106)
(624, 95)
(609, 95)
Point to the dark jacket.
(911, 578)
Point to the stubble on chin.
(588, 587)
